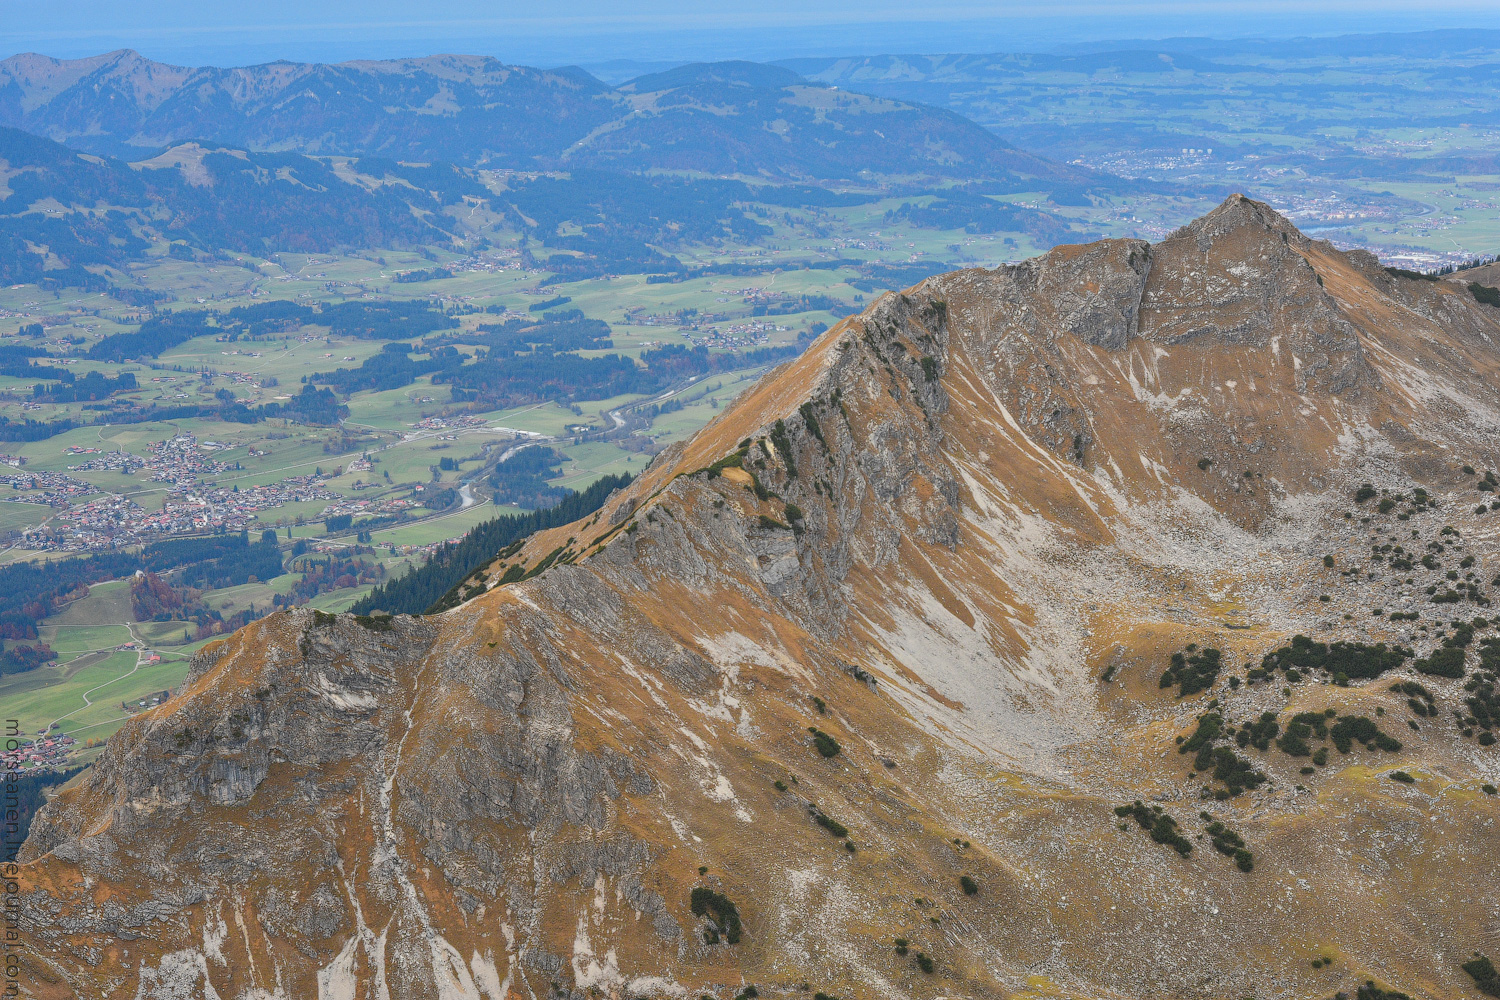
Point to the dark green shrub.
(1402, 777)
(832, 825)
(1210, 727)
(1445, 661)
(1229, 844)
(826, 745)
(1192, 670)
(1365, 492)
(924, 963)
(1294, 745)
(1485, 294)
(783, 445)
(1161, 827)
(968, 885)
(1235, 772)
(1358, 727)
(1355, 659)
(735, 460)
(901, 946)
(810, 419)
(725, 916)
(376, 623)
(1482, 971)
(1259, 733)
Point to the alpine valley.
(1112, 624)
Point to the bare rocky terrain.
(854, 693)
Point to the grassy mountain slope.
(855, 691)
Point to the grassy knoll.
(106, 604)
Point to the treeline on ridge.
(424, 586)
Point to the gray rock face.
(1096, 290)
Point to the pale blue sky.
(225, 33)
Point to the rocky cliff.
(955, 659)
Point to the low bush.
(826, 745)
(1445, 661)
(1210, 727)
(1350, 728)
(1193, 670)
(1161, 827)
(1235, 772)
(1482, 971)
(830, 824)
(1353, 659)
(1259, 733)
(1229, 844)
(725, 917)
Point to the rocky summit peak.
(1234, 213)
(1020, 633)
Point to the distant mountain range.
(66, 216)
(721, 118)
(100, 156)
(76, 219)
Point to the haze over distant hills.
(742, 118)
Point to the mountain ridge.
(477, 111)
(960, 537)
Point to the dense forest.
(392, 368)
(426, 585)
(257, 203)
(966, 209)
(30, 591)
(569, 378)
(369, 320)
(522, 478)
